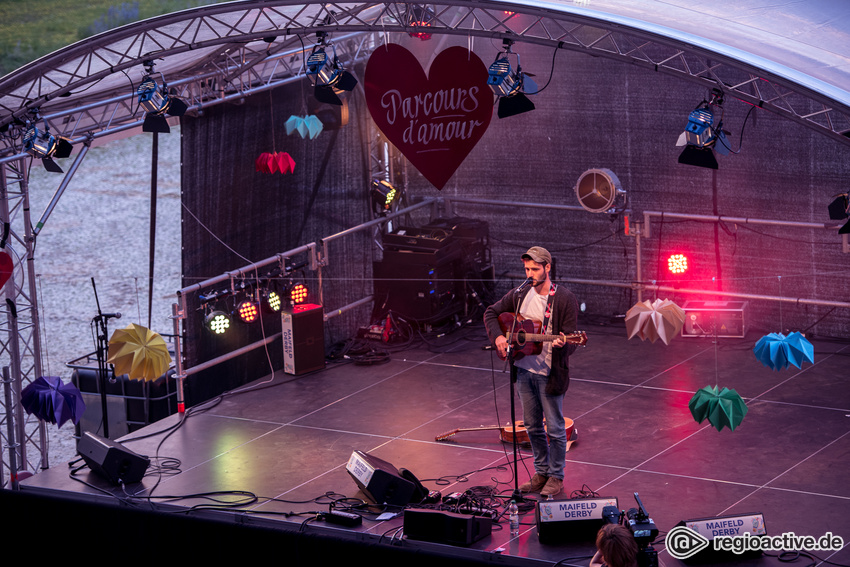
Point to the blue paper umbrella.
(777, 351)
(725, 408)
(51, 400)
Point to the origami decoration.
(722, 409)
(53, 401)
(6, 267)
(661, 319)
(308, 126)
(138, 352)
(777, 351)
(278, 162)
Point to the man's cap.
(538, 254)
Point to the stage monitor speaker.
(380, 481)
(445, 527)
(303, 330)
(111, 459)
(740, 525)
(571, 520)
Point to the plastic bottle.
(513, 517)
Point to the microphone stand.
(517, 495)
(102, 347)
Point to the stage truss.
(225, 52)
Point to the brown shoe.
(553, 486)
(537, 482)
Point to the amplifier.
(725, 319)
(111, 459)
(417, 239)
(380, 481)
(440, 526)
(576, 518)
(303, 332)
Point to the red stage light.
(298, 294)
(677, 264)
(248, 311)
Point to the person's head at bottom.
(616, 547)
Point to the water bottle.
(513, 517)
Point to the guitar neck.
(535, 338)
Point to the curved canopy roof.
(792, 59)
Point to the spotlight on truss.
(327, 73)
(43, 145)
(420, 17)
(509, 85)
(383, 195)
(703, 136)
(157, 103)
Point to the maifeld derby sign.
(434, 120)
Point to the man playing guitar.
(542, 379)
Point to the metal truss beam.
(217, 53)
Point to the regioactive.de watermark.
(683, 542)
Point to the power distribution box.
(727, 319)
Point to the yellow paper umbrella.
(661, 319)
(138, 352)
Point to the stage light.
(702, 137)
(44, 146)
(248, 311)
(508, 85)
(420, 17)
(217, 322)
(271, 301)
(327, 74)
(297, 293)
(677, 264)
(383, 195)
(157, 103)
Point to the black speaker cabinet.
(380, 481)
(445, 527)
(111, 459)
(303, 331)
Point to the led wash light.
(677, 264)
(217, 322)
(248, 311)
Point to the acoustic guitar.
(525, 338)
(508, 433)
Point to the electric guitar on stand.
(525, 337)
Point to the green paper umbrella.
(722, 409)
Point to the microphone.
(523, 284)
(109, 316)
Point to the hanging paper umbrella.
(277, 162)
(51, 400)
(722, 409)
(661, 319)
(6, 267)
(293, 123)
(138, 352)
(306, 126)
(777, 351)
(314, 126)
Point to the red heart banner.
(434, 120)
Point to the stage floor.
(286, 440)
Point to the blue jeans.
(549, 442)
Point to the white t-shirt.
(534, 307)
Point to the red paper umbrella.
(277, 162)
